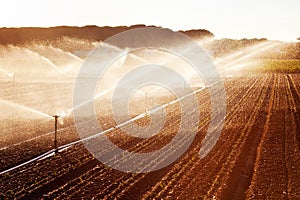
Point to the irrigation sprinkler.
(146, 102)
(55, 133)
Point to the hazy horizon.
(275, 20)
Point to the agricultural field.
(256, 157)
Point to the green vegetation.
(279, 66)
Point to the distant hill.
(19, 36)
(73, 38)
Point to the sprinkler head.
(56, 116)
(61, 114)
(11, 74)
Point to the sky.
(237, 19)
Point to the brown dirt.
(256, 157)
